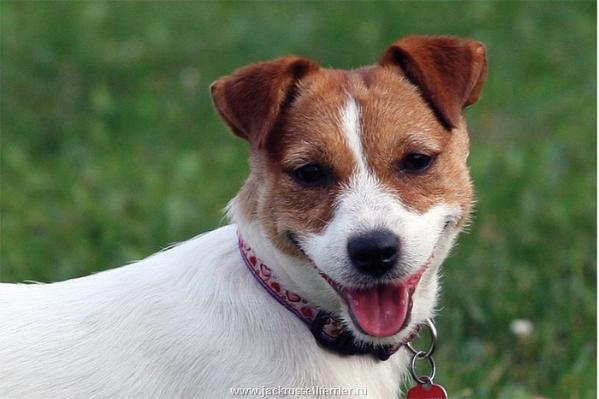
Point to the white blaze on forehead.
(352, 133)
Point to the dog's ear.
(449, 71)
(251, 99)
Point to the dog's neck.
(328, 330)
(297, 275)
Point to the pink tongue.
(380, 311)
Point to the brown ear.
(449, 71)
(250, 99)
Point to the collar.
(327, 328)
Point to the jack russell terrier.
(357, 191)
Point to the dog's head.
(361, 172)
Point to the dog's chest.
(267, 347)
(315, 372)
(282, 353)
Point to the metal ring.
(431, 326)
(424, 379)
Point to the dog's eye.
(311, 175)
(415, 163)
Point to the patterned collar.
(326, 327)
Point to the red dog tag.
(432, 391)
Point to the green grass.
(111, 151)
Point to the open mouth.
(384, 309)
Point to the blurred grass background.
(111, 150)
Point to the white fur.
(191, 321)
(352, 133)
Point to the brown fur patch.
(448, 70)
(250, 99)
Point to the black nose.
(374, 252)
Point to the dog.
(358, 189)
